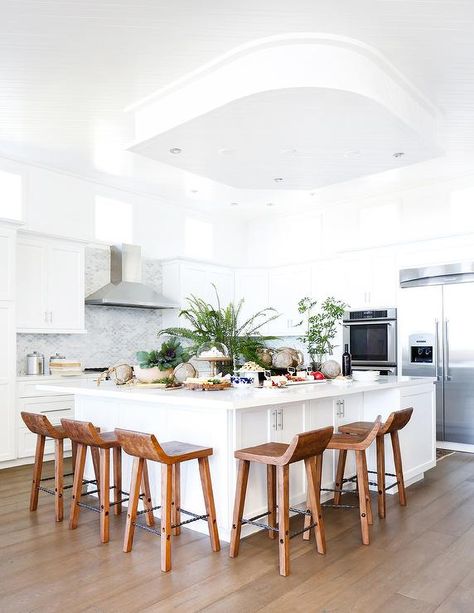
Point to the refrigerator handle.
(436, 357)
(447, 377)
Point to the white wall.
(61, 204)
(410, 220)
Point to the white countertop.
(45, 378)
(228, 399)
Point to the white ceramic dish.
(365, 375)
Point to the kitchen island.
(232, 419)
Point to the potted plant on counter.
(321, 327)
(223, 324)
(159, 364)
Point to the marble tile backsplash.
(113, 334)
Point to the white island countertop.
(233, 398)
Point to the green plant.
(222, 324)
(320, 325)
(168, 356)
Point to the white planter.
(148, 375)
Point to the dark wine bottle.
(346, 362)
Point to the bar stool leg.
(397, 458)
(381, 498)
(135, 482)
(176, 498)
(313, 474)
(58, 479)
(77, 486)
(104, 494)
(361, 483)
(367, 490)
(96, 462)
(206, 483)
(147, 503)
(117, 453)
(166, 487)
(284, 519)
(341, 465)
(240, 491)
(37, 470)
(73, 455)
(271, 499)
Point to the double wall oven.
(372, 339)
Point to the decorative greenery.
(321, 325)
(209, 324)
(168, 356)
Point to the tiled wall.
(113, 334)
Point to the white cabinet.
(50, 286)
(286, 287)
(7, 373)
(183, 278)
(7, 259)
(251, 285)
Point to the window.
(198, 238)
(11, 195)
(113, 220)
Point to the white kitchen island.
(232, 419)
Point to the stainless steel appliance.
(372, 338)
(437, 331)
(35, 363)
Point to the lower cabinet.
(54, 407)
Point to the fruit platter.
(210, 384)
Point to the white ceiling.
(68, 68)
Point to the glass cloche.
(212, 350)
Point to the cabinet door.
(290, 421)
(286, 287)
(65, 285)
(7, 269)
(346, 410)
(7, 373)
(321, 415)
(252, 287)
(384, 282)
(31, 285)
(223, 279)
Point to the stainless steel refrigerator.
(436, 323)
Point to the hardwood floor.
(421, 558)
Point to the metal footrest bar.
(194, 517)
(259, 524)
(374, 472)
(293, 534)
(48, 491)
(147, 528)
(148, 510)
(84, 505)
(339, 506)
(389, 487)
(300, 511)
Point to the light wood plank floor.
(421, 559)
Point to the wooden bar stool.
(85, 435)
(308, 446)
(357, 443)
(170, 455)
(40, 425)
(395, 422)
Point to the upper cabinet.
(184, 278)
(251, 286)
(286, 287)
(50, 285)
(7, 258)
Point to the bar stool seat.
(395, 422)
(145, 447)
(86, 435)
(309, 447)
(40, 425)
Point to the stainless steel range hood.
(126, 288)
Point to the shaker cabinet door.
(66, 287)
(31, 285)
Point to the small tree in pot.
(321, 326)
(159, 364)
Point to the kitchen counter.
(232, 419)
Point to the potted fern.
(159, 364)
(222, 324)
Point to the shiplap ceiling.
(68, 68)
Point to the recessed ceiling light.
(398, 154)
(278, 179)
(175, 150)
(270, 204)
(312, 193)
(352, 154)
(225, 151)
(234, 204)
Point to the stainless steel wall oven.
(372, 338)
